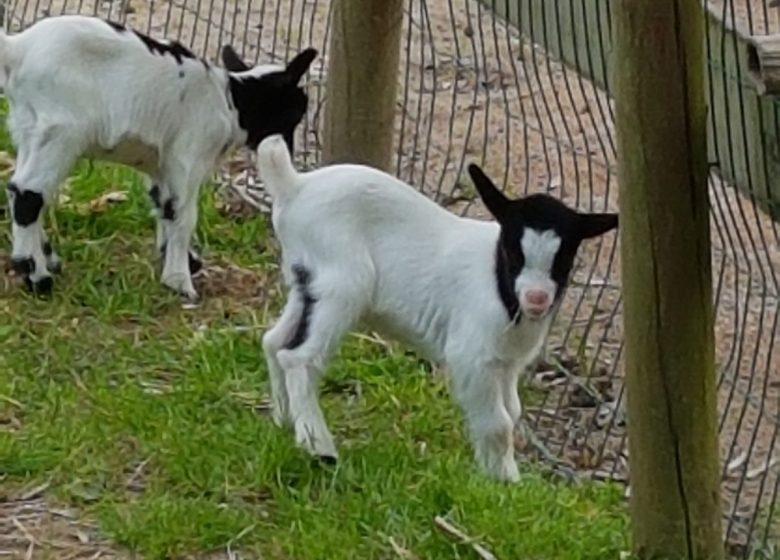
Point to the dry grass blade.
(451, 530)
(401, 551)
(35, 492)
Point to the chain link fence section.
(473, 88)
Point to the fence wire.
(475, 88)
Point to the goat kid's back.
(407, 261)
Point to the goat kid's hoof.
(182, 285)
(42, 287)
(328, 460)
(54, 265)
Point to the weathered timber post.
(666, 276)
(362, 82)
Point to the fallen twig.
(243, 193)
(453, 531)
(577, 380)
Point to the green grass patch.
(151, 419)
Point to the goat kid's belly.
(425, 334)
(132, 152)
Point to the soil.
(750, 17)
(472, 89)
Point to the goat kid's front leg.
(38, 173)
(491, 426)
(163, 214)
(179, 216)
(53, 261)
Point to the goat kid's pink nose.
(537, 298)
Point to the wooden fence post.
(362, 82)
(667, 279)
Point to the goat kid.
(83, 87)
(360, 246)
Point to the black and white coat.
(360, 246)
(79, 86)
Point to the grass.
(149, 418)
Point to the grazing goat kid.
(83, 87)
(361, 246)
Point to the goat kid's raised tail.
(276, 169)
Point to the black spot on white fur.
(539, 212)
(302, 284)
(173, 48)
(154, 195)
(118, 27)
(27, 205)
(23, 266)
(168, 211)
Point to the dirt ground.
(473, 90)
(752, 17)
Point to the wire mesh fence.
(476, 88)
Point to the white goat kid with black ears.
(360, 246)
(80, 86)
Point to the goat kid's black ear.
(593, 225)
(494, 199)
(232, 61)
(298, 66)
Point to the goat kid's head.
(539, 239)
(269, 98)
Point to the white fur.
(539, 248)
(381, 253)
(79, 88)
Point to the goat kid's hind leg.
(303, 360)
(157, 194)
(273, 340)
(481, 397)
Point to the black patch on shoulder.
(173, 48)
(47, 250)
(168, 212)
(302, 283)
(27, 206)
(118, 27)
(154, 195)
